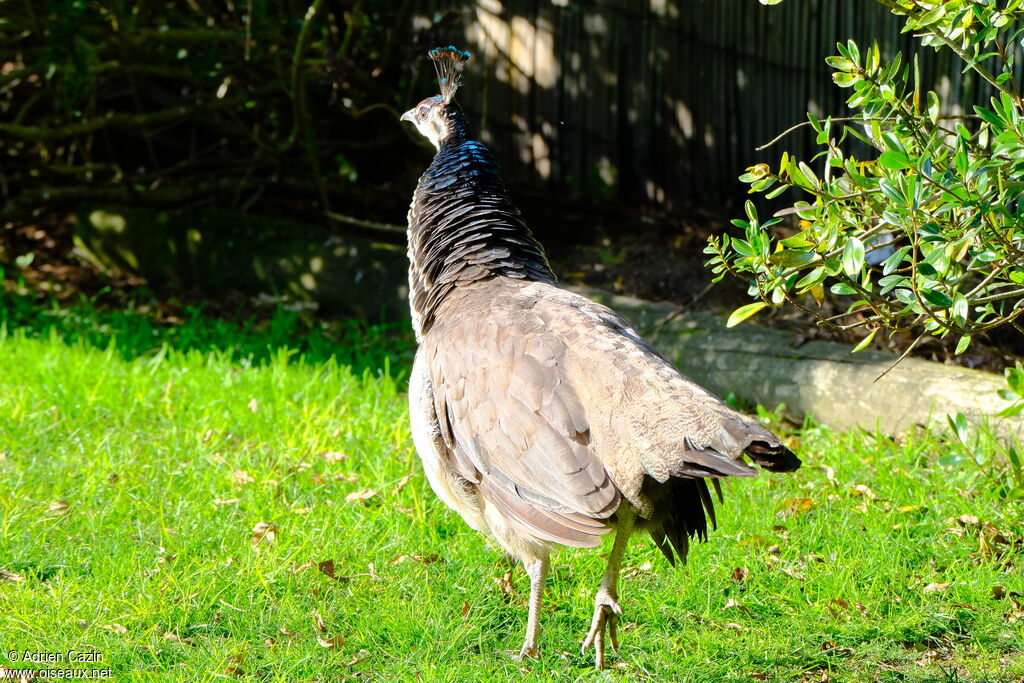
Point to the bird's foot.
(528, 651)
(606, 614)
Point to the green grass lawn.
(204, 500)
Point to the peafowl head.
(440, 116)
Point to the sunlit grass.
(133, 475)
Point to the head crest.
(448, 63)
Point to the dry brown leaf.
(837, 606)
(174, 637)
(253, 405)
(359, 656)
(863, 490)
(234, 667)
(794, 573)
(422, 559)
(360, 496)
(58, 507)
(861, 608)
(830, 474)
(332, 642)
(115, 628)
(630, 572)
(285, 632)
(936, 587)
(829, 646)
(318, 623)
(113, 478)
(794, 506)
(326, 568)
(334, 456)
(998, 592)
(732, 626)
(755, 540)
(10, 576)
(402, 482)
(508, 590)
(263, 531)
(465, 608)
(732, 603)
(241, 478)
(740, 574)
(968, 521)
(217, 502)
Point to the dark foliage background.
(266, 106)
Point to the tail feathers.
(776, 458)
(687, 507)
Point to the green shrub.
(928, 232)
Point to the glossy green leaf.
(744, 312)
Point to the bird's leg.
(537, 570)
(606, 601)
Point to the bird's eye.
(423, 112)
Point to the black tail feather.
(772, 458)
(684, 508)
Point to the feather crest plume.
(448, 62)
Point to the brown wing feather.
(514, 423)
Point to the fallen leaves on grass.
(360, 496)
(263, 532)
(421, 559)
(334, 641)
(794, 506)
(175, 638)
(631, 572)
(793, 573)
(359, 656)
(58, 507)
(935, 587)
(10, 576)
(735, 604)
(323, 637)
(863, 490)
(326, 568)
(740, 574)
(837, 606)
(241, 478)
(115, 628)
(465, 608)
(234, 667)
(832, 648)
(402, 483)
(253, 405)
(333, 456)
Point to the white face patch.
(428, 117)
(433, 128)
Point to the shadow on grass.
(142, 329)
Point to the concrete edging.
(825, 379)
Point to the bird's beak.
(409, 116)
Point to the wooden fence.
(663, 101)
